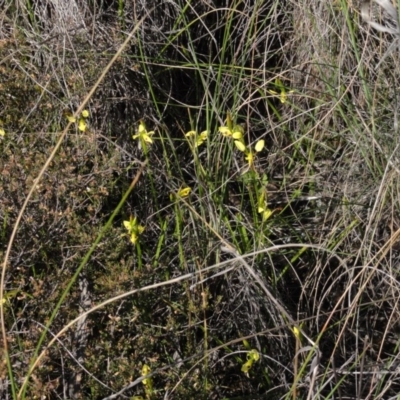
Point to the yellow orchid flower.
(184, 192)
(82, 125)
(143, 136)
(147, 382)
(199, 139)
(181, 193)
(2, 131)
(68, 114)
(252, 356)
(134, 229)
(283, 94)
(266, 213)
(236, 132)
(145, 371)
(263, 206)
(250, 156)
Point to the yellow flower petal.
(142, 128)
(260, 145)
(147, 138)
(184, 192)
(202, 138)
(199, 142)
(225, 131)
(85, 113)
(143, 135)
(240, 146)
(246, 366)
(296, 332)
(134, 238)
(2, 132)
(134, 229)
(70, 118)
(145, 371)
(82, 125)
(253, 355)
(190, 134)
(250, 158)
(237, 135)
